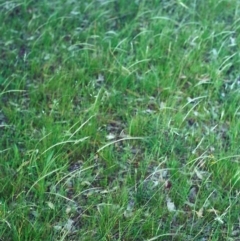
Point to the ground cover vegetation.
(119, 120)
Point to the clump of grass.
(119, 120)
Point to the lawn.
(119, 120)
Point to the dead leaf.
(69, 225)
(110, 136)
(51, 205)
(193, 194)
(168, 184)
(199, 213)
(129, 210)
(198, 173)
(170, 205)
(212, 210)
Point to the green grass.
(119, 120)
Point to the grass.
(119, 120)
